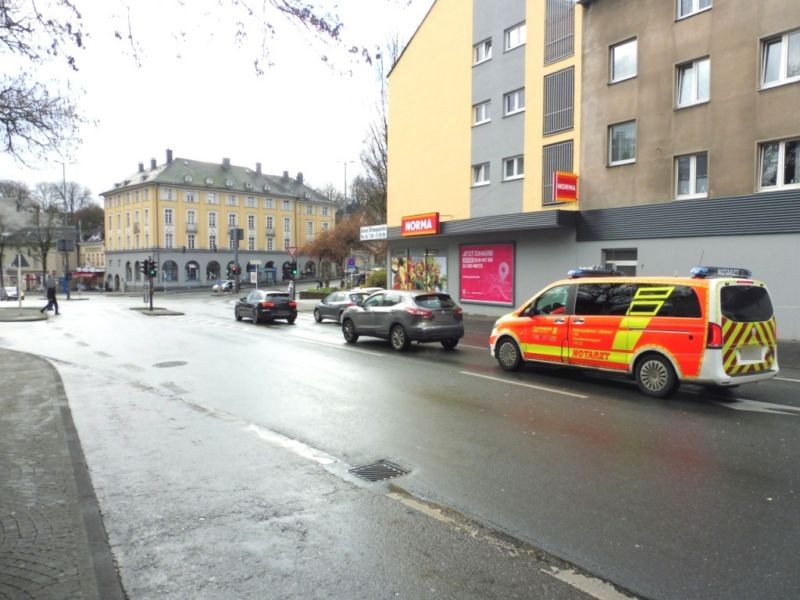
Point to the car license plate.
(751, 353)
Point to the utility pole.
(66, 224)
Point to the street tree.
(47, 222)
(14, 198)
(74, 197)
(90, 220)
(333, 246)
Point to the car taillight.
(423, 313)
(457, 312)
(267, 305)
(292, 304)
(714, 336)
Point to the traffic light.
(152, 271)
(234, 270)
(142, 268)
(294, 269)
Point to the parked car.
(332, 306)
(10, 293)
(266, 305)
(225, 285)
(403, 317)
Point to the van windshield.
(746, 303)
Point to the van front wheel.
(508, 355)
(655, 376)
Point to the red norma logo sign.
(427, 224)
(565, 187)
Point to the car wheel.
(255, 317)
(290, 320)
(655, 376)
(238, 316)
(349, 332)
(508, 355)
(317, 315)
(399, 338)
(450, 344)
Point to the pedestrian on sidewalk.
(50, 285)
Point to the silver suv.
(403, 317)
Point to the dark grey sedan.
(266, 305)
(403, 317)
(332, 306)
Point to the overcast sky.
(300, 115)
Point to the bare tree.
(35, 121)
(74, 197)
(14, 198)
(46, 222)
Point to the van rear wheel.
(655, 376)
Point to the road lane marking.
(787, 379)
(527, 385)
(596, 588)
(759, 407)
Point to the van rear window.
(746, 303)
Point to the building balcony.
(271, 231)
(191, 228)
(136, 228)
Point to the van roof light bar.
(706, 272)
(593, 272)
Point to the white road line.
(590, 585)
(527, 385)
(787, 379)
(760, 407)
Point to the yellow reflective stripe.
(647, 301)
(545, 349)
(607, 356)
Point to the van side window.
(603, 299)
(553, 301)
(665, 301)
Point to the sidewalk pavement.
(53, 543)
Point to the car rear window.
(746, 303)
(435, 301)
(278, 296)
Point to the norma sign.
(565, 187)
(427, 224)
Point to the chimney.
(299, 177)
(141, 167)
(152, 163)
(258, 168)
(226, 163)
(169, 156)
(285, 175)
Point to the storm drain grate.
(378, 471)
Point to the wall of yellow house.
(535, 72)
(429, 117)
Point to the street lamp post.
(344, 268)
(66, 224)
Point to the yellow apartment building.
(187, 214)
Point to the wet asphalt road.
(695, 497)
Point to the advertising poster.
(412, 271)
(487, 273)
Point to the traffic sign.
(292, 250)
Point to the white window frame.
(168, 239)
(309, 228)
(270, 242)
(269, 222)
(191, 217)
(613, 77)
(514, 102)
(780, 183)
(269, 202)
(688, 75)
(191, 241)
(693, 179)
(251, 243)
(783, 59)
(189, 196)
(251, 222)
(212, 242)
(211, 198)
(481, 112)
(250, 202)
(696, 7)
(482, 51)
(168, 216)
(516, 166)
(231, 220)
(287, 224)
(514, 36)
(212, 219)
(287, 205)
(480, 174)
(625, 161)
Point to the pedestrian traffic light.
(151, 268)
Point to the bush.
(376, 279)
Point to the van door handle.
(559, 321)
(578, 321)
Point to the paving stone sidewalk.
(52, 540)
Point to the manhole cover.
(378, 471)
(170, 363)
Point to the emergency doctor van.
(716, 327)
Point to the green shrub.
(376, 279)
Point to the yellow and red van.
(716, 327)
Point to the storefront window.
(419, 269)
